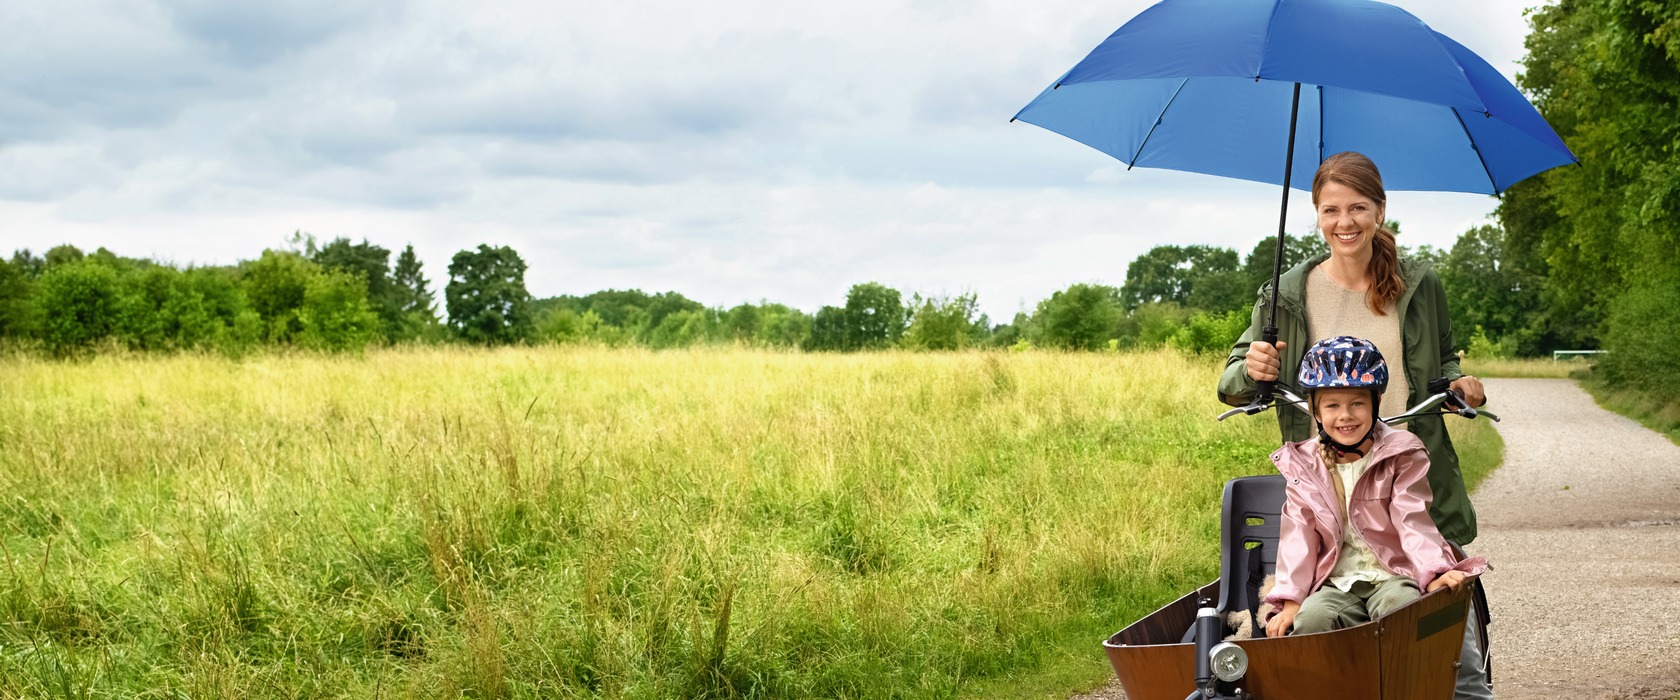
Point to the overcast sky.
(728, 150)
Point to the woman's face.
(1348, 220)
(1345, 413)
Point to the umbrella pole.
(1263, 390)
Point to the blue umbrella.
(1249, 88)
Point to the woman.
(1363, 288)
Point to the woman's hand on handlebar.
(1468, 386)
(1262, 362)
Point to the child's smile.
(1346, 414)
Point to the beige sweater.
(1333, 310)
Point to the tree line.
(345, 295)
(1590, 255)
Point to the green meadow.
(584, 522)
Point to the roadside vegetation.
(591, 522)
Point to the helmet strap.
(1344, 450)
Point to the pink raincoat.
(1389, 507)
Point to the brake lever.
(1280, 397)
(1250, 409)
(1473, 413)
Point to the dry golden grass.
(559, 522)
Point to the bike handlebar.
(1443, 395)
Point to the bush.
(276, 284)
(79, 304)
(336, 314)
(1152, 325)
(1081, 317)
(943, 323)
(782, 326)
(1482, 347)
(1643, 337)
(1209, 333)
(682, 329)
(17, 291)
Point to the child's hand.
(1450, 579)
(1280, 623)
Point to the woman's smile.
(1347, 218)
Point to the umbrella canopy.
(1208, 85)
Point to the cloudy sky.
(729, 150)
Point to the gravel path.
(1582, 524)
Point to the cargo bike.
(1179, 651)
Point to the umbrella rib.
(1477, 149)
(1266, 41)
(1157, 123)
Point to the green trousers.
(1331, 608)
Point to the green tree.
(874, 316)
(783, 326)
(63, 254)
(944, 323)
(275, 284)
(1257, 267)
(336, 314)
(486, 296)
(411, 292)
(686, 328)
(1606, 75)
(1484, 290)
(30, 264)
(1020, 328)
(666, 303)
(1208, 333)
(78, 304)
(372, 264)
(17, 298)
(210, 311)
(828, 330)
(1197, 276)
(1154, 325)
(741, 323)
(1081, 317)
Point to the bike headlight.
(1229, 661)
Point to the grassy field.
(1654, 410)
(551, 522)
(1526, 367)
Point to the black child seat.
(1250, 514)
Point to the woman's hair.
(1355, 171)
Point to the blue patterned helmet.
(1344, 361)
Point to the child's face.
(1345, 413)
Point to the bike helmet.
(1345, 362)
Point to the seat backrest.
(1248, 533)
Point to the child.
(1356, 533)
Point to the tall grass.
(595, 523)
(1527, 367)
(1651, 408)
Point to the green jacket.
(1429, 353)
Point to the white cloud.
(730, 150)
